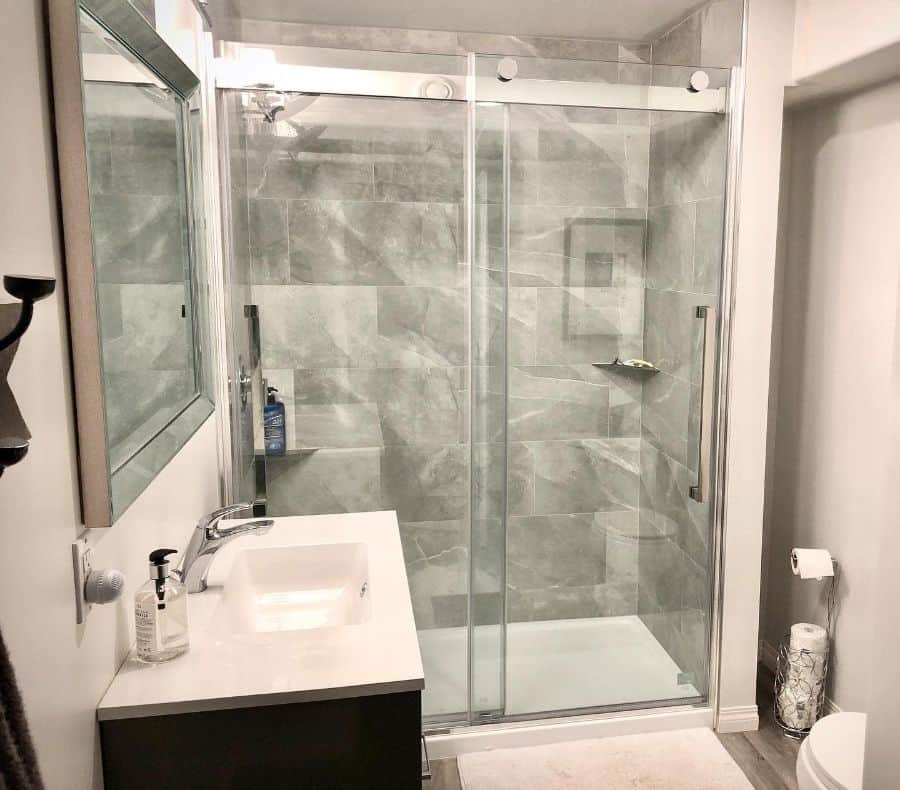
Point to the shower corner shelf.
(618, 366)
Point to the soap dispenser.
(274, 429)
(160, 612)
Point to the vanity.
(304, 670)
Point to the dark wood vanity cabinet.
(359, 742)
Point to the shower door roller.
(507, 69)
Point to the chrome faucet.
(208, 538)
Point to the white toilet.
(831, 757)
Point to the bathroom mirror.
(131, 191)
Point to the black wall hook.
(29, 290)
(14, 434)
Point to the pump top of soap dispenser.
(270, 395)
(159, 573)
(159, 564)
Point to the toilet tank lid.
(837, 745)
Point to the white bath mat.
(679, 760)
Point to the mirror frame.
(101, 502)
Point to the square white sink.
(296, 588)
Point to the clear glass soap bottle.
(160, 612)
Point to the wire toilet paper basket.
(799, 688)
(800, 676)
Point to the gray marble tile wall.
(710, 36)
(685, 220)
(355, 239)
(577, 220)
(356, 251)
(439, 42)
(140, 251)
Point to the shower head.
(271, 104)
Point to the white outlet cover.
(82, 563)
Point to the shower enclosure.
(441, 264)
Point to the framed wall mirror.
(133, 225)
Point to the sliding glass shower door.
(606, 243)
(494, 312)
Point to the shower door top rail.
(245, 74)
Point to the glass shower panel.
(684, 260)
(613, 223)
(246, 395)
(356, 248)
(489, 295)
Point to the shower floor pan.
(551, 665)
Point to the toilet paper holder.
(800, 674)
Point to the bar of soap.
(639, 363)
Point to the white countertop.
(237, 670)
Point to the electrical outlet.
(82, 564)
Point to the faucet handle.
(210, 519)
(260, 526)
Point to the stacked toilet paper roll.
(803, 676)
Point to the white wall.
(831, 32)
(63, 670)
(882, 762)
(768, 60)
(836, 384)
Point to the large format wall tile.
(680, 45)
(583, 157)
(421, 326)
(670, 247)
(583, 476)
(576, 246)
(557, 402)
(437, 567)
(688, 151)
(324, 481)
(283, 169)
(317, 326)
(366, 243)
(672, 332)
(434, 175)
(667, 415)
(268, 222)
(625, 407)
(666, 503)
(439, 42)
(587, 324)
(709, 245)
(556, 551)
(600, 600)
(505, 325)
(360, 407)
(425, 482)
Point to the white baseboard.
(768, 657)
(740, 718)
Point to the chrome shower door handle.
(700, 492)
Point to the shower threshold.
(557, 666)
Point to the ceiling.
(622, 20)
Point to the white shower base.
(551, 665)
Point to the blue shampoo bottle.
(274, 429)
